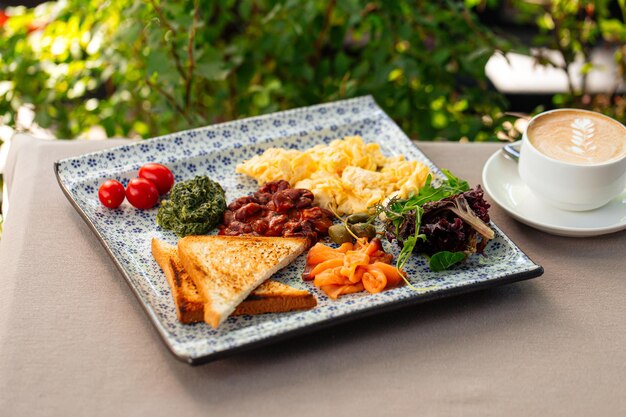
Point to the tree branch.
(559, 47)
(192, 62)
(317, 46)
(166, 24)
(160, 90)
(170, 99)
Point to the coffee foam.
(578, 137)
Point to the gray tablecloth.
(74, 340)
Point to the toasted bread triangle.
(188, 301)
(226, 269)
(269, 297)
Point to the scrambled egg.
(347, 175)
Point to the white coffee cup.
(564, 180)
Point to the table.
(75, 341)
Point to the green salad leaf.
(443, 260)
(410, 242)
(450, 186)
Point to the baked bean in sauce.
(276, 209)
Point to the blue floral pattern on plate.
(215, 151)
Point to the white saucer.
(503, 184)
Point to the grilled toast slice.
(275, 297)
(188, 301)
(269, 297)
(226, 269)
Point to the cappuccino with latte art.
(574, 159)
(578, 137)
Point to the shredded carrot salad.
(351, 268)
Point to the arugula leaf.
(451, 186)
(441, 261)
(455, 182)
(409, 244)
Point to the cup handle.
(511, 151)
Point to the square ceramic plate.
(215, 151)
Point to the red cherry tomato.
(111, 194)
(159, 175)
(142, 194)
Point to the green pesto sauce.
(194, 207)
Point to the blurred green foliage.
(573, 28)
(148, 68)
(145, 68)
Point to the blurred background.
(450, 70)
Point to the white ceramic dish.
(503, 184)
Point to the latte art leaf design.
(583, 131)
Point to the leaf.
(586, 68)
(441, 261)
(472, 3)
(168, 36)
(480, 53)
(245, 9)
(157, 62)
(212, 71)
(272, 14)
(441, 56)
(613, 30)
(452, 185)
(454, 182)
(409, 244)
